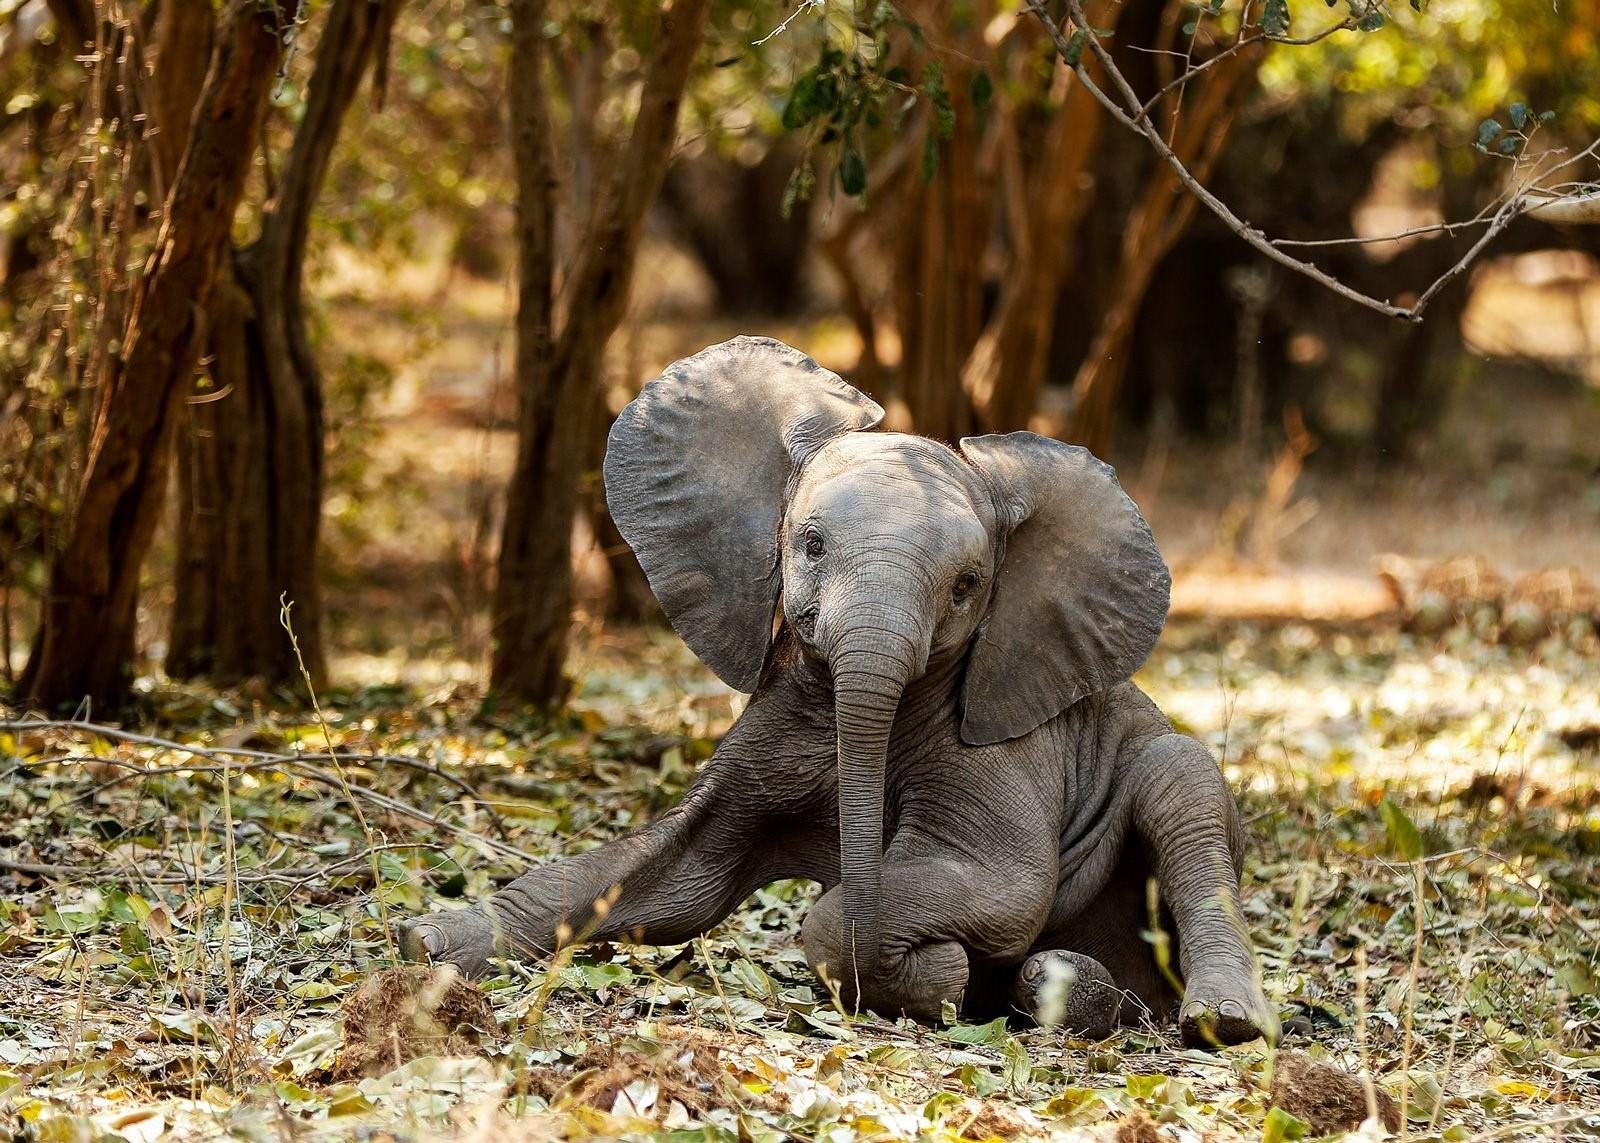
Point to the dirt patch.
(1325, 1097)
(1137, 1128)
(991, 1121)
(403, 1013)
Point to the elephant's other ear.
(1080, 597)
(697, 471)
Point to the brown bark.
(1158, 221)
(558, 376)
(75, 19)
(183, 47)
(728, 214)
(1008, 366)
(250, 484)
(942, 232)
(87, 627)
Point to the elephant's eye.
(965, 586)
(814, 545)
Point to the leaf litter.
(187, 904)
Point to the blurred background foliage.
(915, 192)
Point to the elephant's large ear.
(1081, 595)
(697, 471)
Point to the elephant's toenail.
(420, 941)
(1232, 1009)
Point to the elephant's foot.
(468, 938)
(1225, 1007)
(1068, 990)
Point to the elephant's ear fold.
(1081, 594)
(697, 471)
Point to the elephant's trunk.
(871, 664)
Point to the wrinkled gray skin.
(941, 731)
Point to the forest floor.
(179, 925)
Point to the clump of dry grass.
(400, 1014)
(1325, 1097)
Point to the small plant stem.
(1417, 907)
(716, 983)
(284, 607)
(1361, 1033)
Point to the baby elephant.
(942, 731)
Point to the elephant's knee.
(915, 980)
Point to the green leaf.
(930, 157)
(1404, 836)
(992, 1034)
(933, 86)
(1282, 1127)
(981, 90)
(853, 173)
(1074, 52)
(1019, 1068)
(1508, 145)
(1275, 18)
(1546, 116)
(1371, 22)
(1488, 130)
(1143, 1086)
(1519, 115)
(814, 94)
(801, 183)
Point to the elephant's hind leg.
(1057, 988)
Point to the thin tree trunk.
(87, 628)
(250, 485)
(1008, 366)
(183, 45)
(1158, 221)
(940, 239)
(559, 379)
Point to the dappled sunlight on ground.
(185, 950)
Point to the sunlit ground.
(131, 1005)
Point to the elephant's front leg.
(749, 819)
(1186, 816)
(940, 916)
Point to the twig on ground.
(259, 760)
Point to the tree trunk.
(559, 378)
(250, 501)
(940, 239)
(1009, 365)
(728, 214)
(87, 627)
(938, 274)
(1164, 211)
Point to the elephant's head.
(744, 475)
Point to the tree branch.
(1134, 114)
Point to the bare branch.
(1578, 209)
(1134, 114)
(1134, 118)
